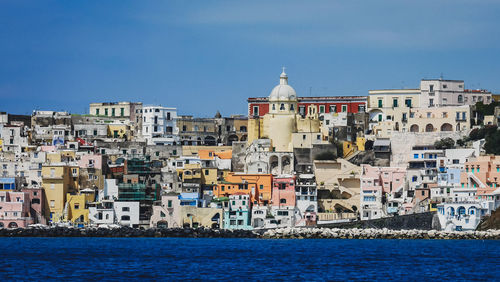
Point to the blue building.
(7, 184)
(237, 214)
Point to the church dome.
(283, 91)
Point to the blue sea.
(103, 259)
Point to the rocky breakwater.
(354, 233)
(126, 232)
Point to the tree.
(446, 143)
(492, 143)
(369, 145)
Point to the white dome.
(283, 91)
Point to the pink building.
(90, 161)
(14, 209)
(36, 204)
(483, 173)
(283, 194)
(378, 183)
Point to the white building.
(441, 92)
(159, 125)
(306, 200)
(110, 212)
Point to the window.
(206, 172)
(255, 110)
(321, 109)
(274, 107)
(77, 206)
(282, 201)
(282, 107)
(183, 128)
(318, 137)
(113, 112)
(395, 102)
(302, 110)
(52, 203)
(303, 137)
(126, 209)
(106, 111)
(291, 107)
(122, 111)
(445, 86)
(361, 108)
(431, 88)
(125, 217)
(261, 187)
(333, 109)
(344, 108)
(380, 103)
(408, 103)
(431, 102)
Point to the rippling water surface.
(248, 259)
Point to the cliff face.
(490, 222)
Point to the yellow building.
(119, 131)
(1, 145)
(436, 119)
(58, 179)
(76, 209)
(283, 120)
(338, 190)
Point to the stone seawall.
(421, 221)
(354, 233)
(281, 233)
(127, 232)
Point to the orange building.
(207, 154)
(258, 186)
(482, 173)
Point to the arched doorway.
(12, 225)
(446, 127)
(273, 161)
(162, 224)
(429, 128)
(414, 128)
(231, 139)
(286, 165)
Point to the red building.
(259, 106)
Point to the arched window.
(472, 210)
(291, 107)
(461, 211)
(274, 107)
(107, 216)
(282, 107)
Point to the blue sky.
(204, 56)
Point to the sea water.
(246, 259)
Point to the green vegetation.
(492, 145)
(446, 143)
